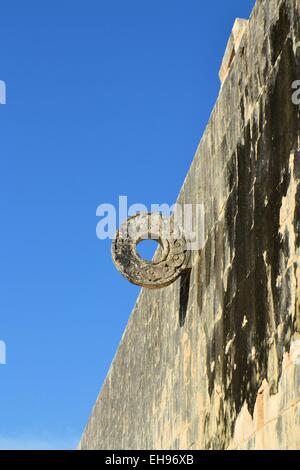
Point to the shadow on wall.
(184, 296)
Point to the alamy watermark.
(2, 343)
(2, 353)
(296, 94)
(180, 220)
(296, 83)
(2, 92)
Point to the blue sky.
(104, 98)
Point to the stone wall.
(213, 361)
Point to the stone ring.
(170, 260)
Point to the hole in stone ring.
(147, 248)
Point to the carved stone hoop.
(170, 260)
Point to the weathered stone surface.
(233, 45)
(212, 361)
